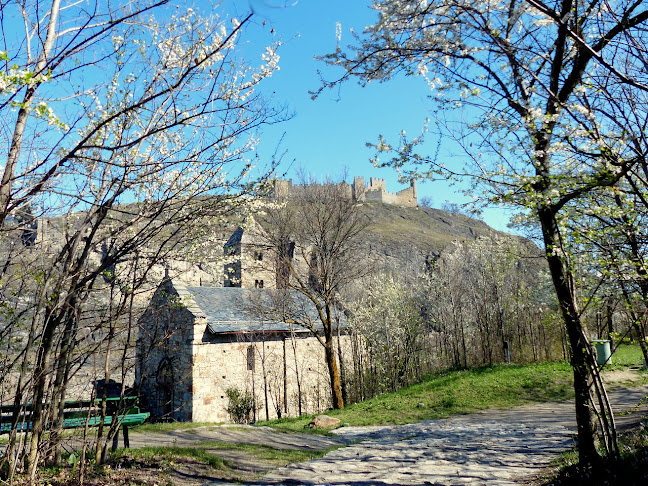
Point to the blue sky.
(327, 136)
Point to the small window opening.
(250, 358)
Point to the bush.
(240, 405)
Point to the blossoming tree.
(127, 128)
(534, 82)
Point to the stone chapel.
(197, 342)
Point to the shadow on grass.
(631, 470)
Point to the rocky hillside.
(399, 235)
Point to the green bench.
(78, 413)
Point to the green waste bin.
(602, 351)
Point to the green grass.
(169, 454)
(626, 356)
(455, 392)
(206, 452)
(267, 453)
(628, 470)
(448, 393)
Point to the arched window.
(165, 389)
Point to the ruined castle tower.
(375, 191)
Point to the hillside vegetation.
(398, 235)
(453, 392)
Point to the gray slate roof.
(235, 309)
(236, 237)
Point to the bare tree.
(314, 236)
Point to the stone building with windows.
(197, 342)
(247, 257)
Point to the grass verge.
(625, 356)
(167, 454)
(448, 393)
(453, 392)
(203, 460)
(279, 457)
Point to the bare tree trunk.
(343, 380)
(358, 367)
(12, 453)
(297, 376)
(100, 450)
(60, 386)
(39, 411)
(636, 320)
(609, 317)
(638, 264)
(334, 373)
(285, 377)
(265, 379)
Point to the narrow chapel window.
(250, 358)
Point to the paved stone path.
(493, 447)
(239, 434)
(497, 448)
(454, 451)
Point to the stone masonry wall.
(164, 356)
(274, 366)
(375, 191)
(223, 362)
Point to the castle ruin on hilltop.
(375, 191)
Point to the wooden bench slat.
(70, 423)
(28, 407)
(76, 413)
(130, 419)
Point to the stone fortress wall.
(220, 363)
(374, 191)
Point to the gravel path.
(465, 450)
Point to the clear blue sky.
(327, 136)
